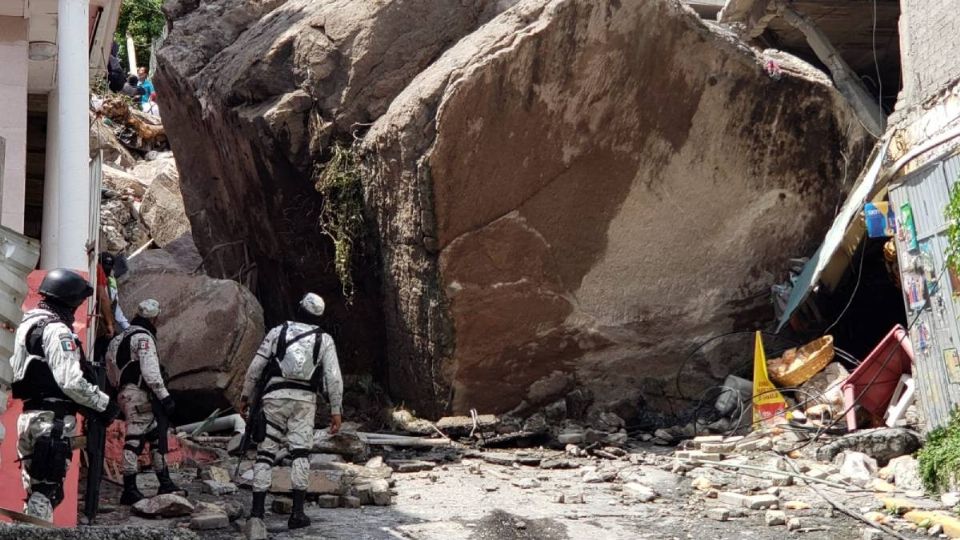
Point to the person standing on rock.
(49, 376)
(295, 362)
(133, 367)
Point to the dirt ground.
(472, 499)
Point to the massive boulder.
(209, 329)
(162, 210)
(255, 91)
(590, 186)
(569, 190)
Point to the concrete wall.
(930, 45)
(13, 119)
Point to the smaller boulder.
(857, 467)
(164, 506)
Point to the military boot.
(130, 493)
(259, 498)
(166, 484)
(298, 519)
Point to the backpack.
(278, 366)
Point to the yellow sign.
(768, 404)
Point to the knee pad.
(298, 453)
(53, 492)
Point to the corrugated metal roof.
(861, 192)
(18, 257)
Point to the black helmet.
(66, 286)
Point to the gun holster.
(258, 431)
(48, 463)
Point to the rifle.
(256, 429)
(96, 432)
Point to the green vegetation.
(341, 216)
(952, 214)
(939, 459)
(144, 21)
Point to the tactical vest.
(130, 371)
(275, 368)
(38, 384)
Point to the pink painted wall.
(11, 493)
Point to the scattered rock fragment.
(526, 483)
(718, 514)
(410, 465)
(796, 505)
(640, 492)
(906, 473)
(281, 505)
(349, 501)
(857, 467)
(872, 534)
(166, 506)
(794, 524)
(775, 517)
(328, 501)
(255, 529)
(214, 487)
(753, 502)
(209, 517)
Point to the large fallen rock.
(162, 210)
(121, 230)
(123, 182)
(590, 186)
(103, 138)
(208, 333)
(575, 186)
(253, 101)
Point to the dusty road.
(473, 499)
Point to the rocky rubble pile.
(140, 195)
(767, 472)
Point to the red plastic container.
(872, 384)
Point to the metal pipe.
(234, 422)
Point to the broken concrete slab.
(166, 506)
(753, 502)
(209, 517)
(214, 487)
(349, 501)
(410, 465)
(775, 517)
(328, 501)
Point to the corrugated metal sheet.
(936, 333)
(18, 257)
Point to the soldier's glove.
(168, 405)
(110, 413)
